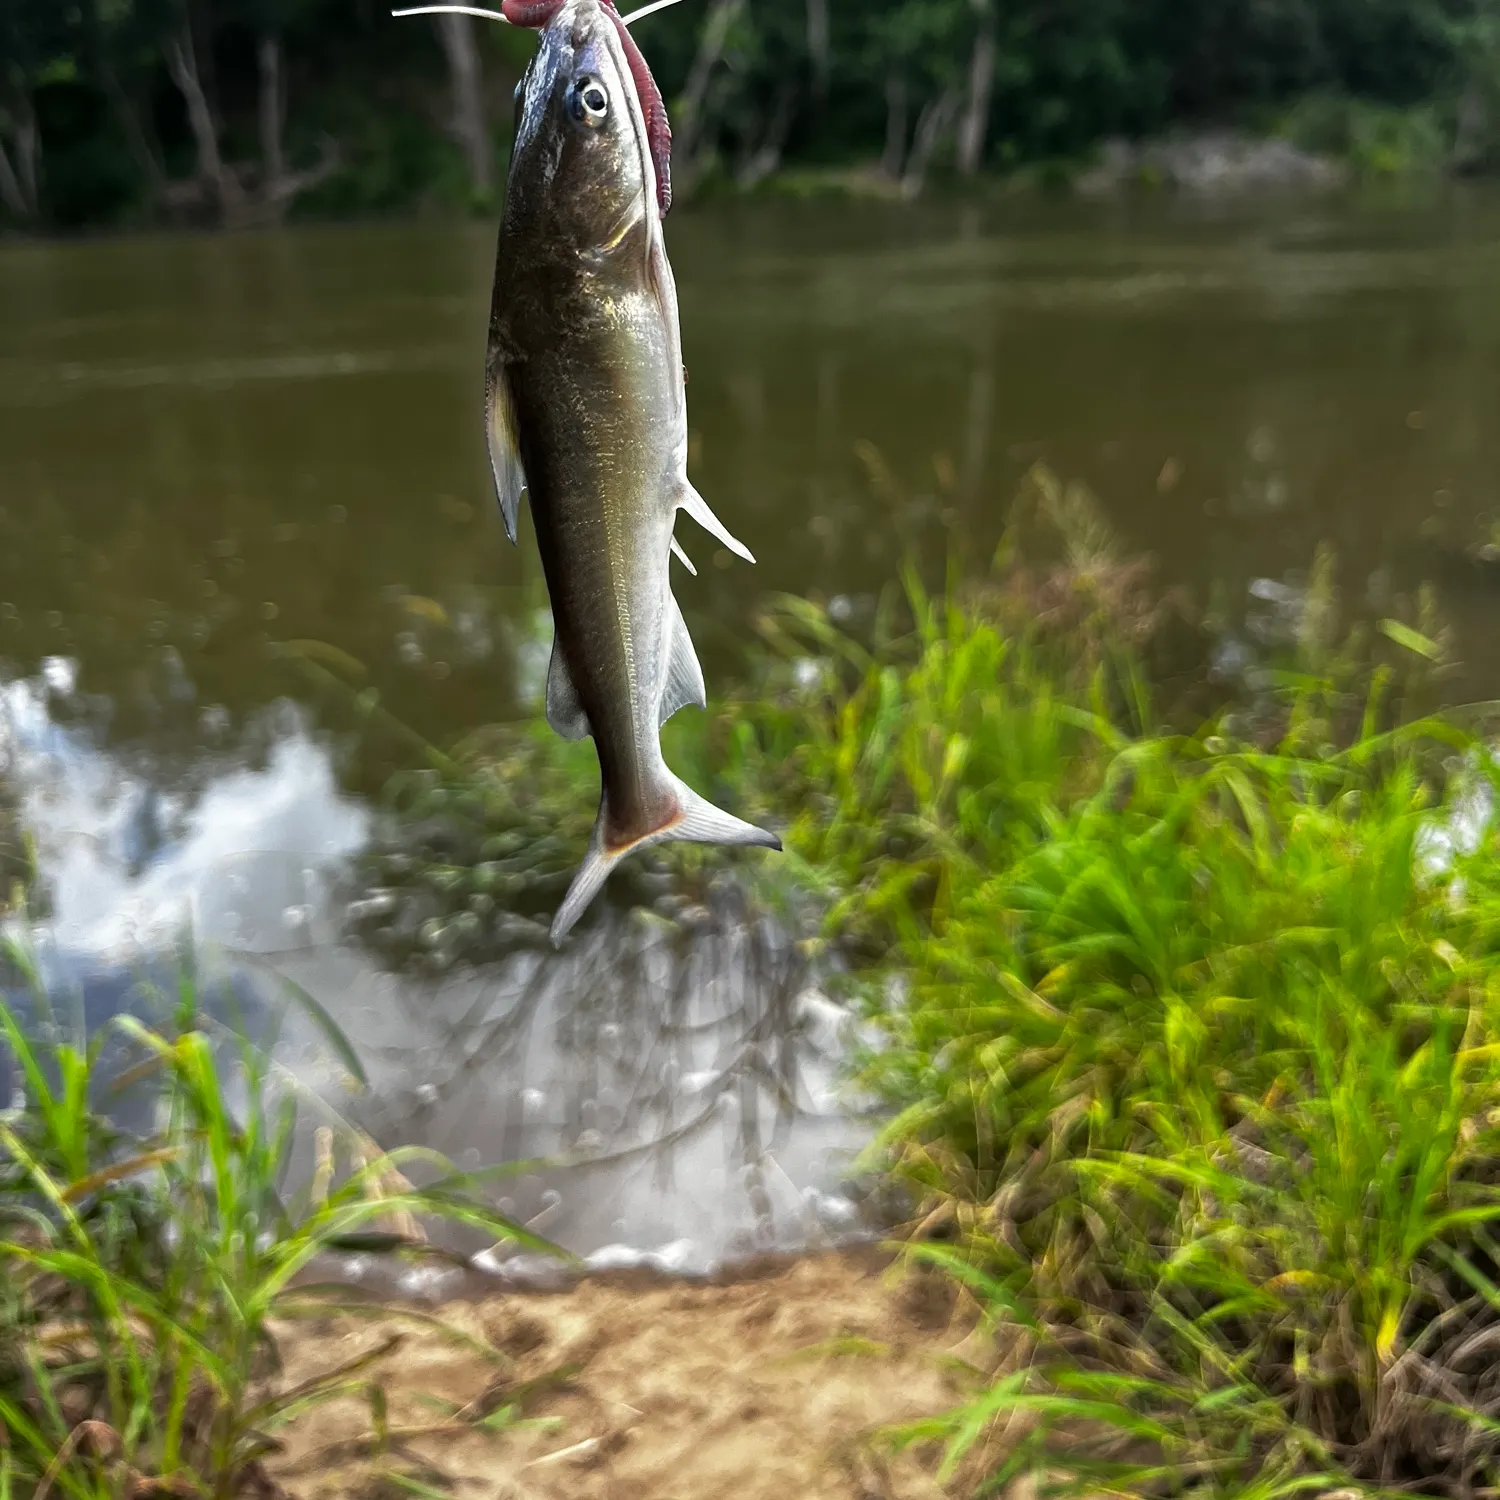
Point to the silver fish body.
(587, 412)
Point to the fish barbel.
(587, 413)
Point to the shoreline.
(789, 1382)
(1212, 164)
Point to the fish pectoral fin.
(684, 687)
(564, 710)
(696, 506)
(683, 558)
(505, 450)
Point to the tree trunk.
(457, 33)
(272, 112)
(818, 44)
(932, 125)
(145, 157)
(766, 157)
(280, 194)
(182, 64)
(1471, 129)
(895, 126)
(10, 187)
(975, 123)
(28, 155)
(687, 135)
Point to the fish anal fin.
(689, 500)
(564, 710)
(504, 446)
(684, 686)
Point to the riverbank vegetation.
(1185, 999)
(1196, 1061)
(1194, 1050)
(239, 112)
(145, 1272)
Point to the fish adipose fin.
(564, 711)
(698, 822)
(684, 686)
(505, 451)
(697, 507)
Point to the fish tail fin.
(588, 881)
(697, 821)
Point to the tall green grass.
(1197, 1064)
(140, 1278)
(1210, 1080)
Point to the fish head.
(587, 150)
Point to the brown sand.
(682, 1391)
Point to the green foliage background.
(821, 83)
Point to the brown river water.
(211, 445)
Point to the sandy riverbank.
(766, 1388)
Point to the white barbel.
(495, 15)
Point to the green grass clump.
(1197, 1055)
(1199, 1052)
(1210, 1079)
(140, 1277)
(1378, 141)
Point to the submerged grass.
(140, 1276)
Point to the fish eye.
(588, 102)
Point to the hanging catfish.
(587, 413)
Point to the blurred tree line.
(238, 112)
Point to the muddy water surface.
(213, 447)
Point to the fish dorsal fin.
(696, 506)
(684, 685)
(504, 446)
(564, 710)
